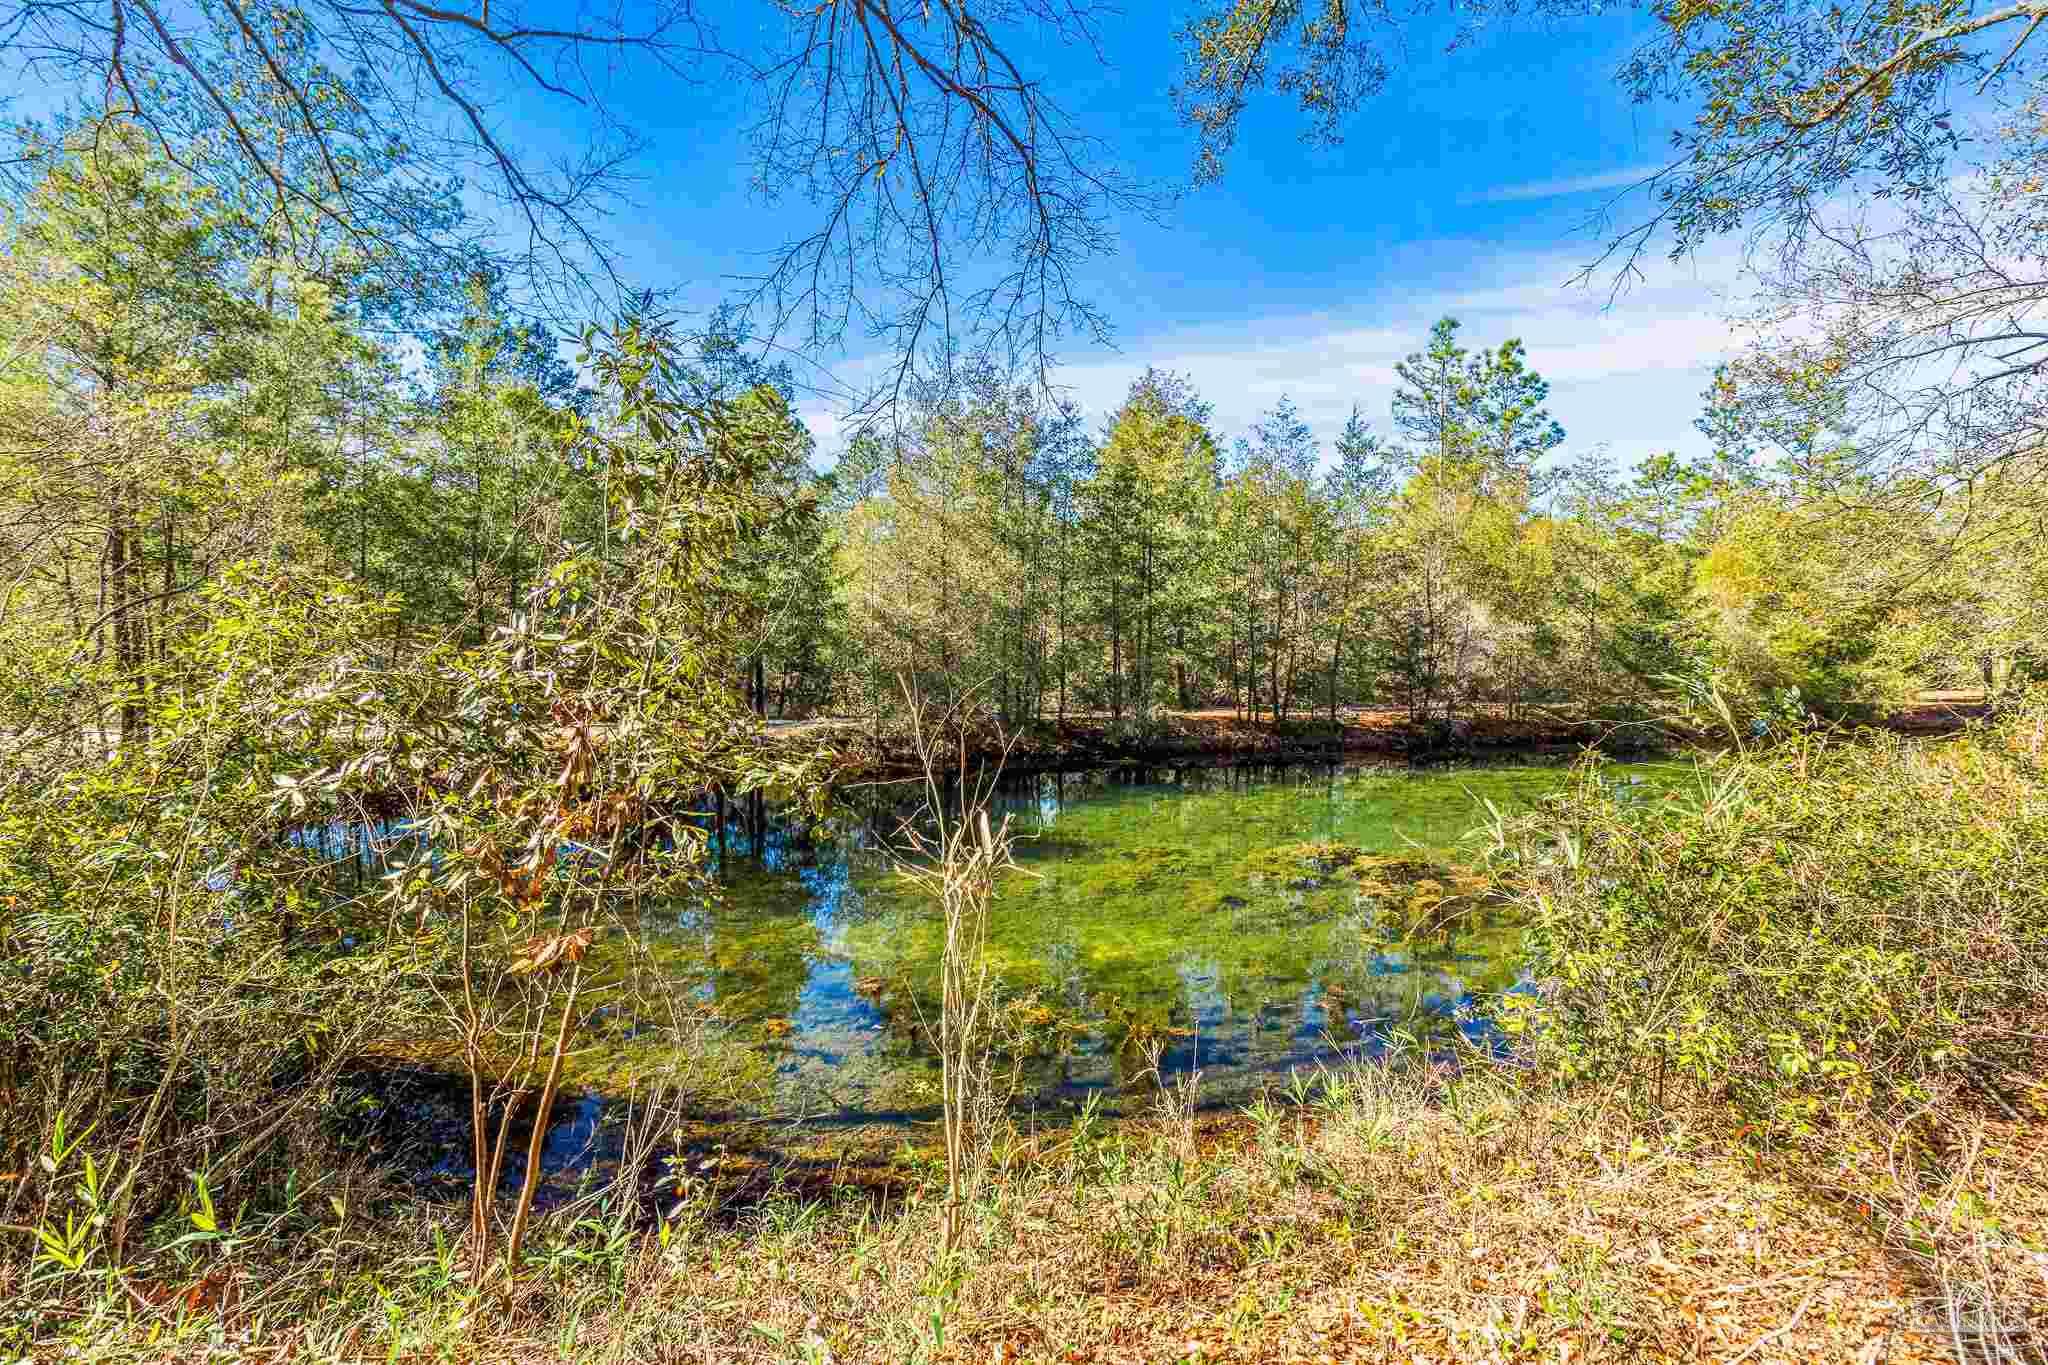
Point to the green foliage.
(277, 627)
(1815, 931)
(175, 957)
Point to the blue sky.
(1464, 188)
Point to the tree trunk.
(1116, 648)
(1336, 666)
(123, 571)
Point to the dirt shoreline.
(1220, 737)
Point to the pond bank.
(1211, 737)
(1393, 1214)
(1220, 736)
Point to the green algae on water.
(1235, 922)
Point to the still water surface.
(1240, 922)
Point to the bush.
(1830, 926)
(183, 980)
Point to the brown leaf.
(537, 954)
(546, 951)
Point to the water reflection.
(1197, 914)
(1236, 920)
(1240, 922)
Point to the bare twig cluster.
(957, 859)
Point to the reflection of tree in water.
(1143, 945)
(1222, 915)
(749, 951)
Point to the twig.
(1771, 1336)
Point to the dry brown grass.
(1398, 1215)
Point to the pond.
(1226, 925)
(1234, 922)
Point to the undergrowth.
(1377, 1213)
(1779, 1097)
(1826, 931)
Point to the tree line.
(1003, 550)
(179, 401)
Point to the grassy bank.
(1394, 1215)
(1780, 1098)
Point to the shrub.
(183, 978)
(1835, 924)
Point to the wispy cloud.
(1626, 372)
(1558, 189)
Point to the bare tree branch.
(953, 197)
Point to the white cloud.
(1567, 185)
(1626, 372)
